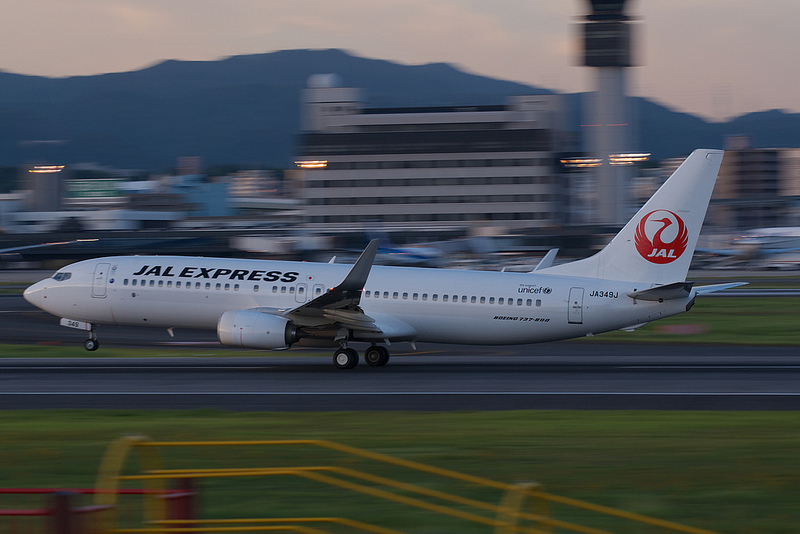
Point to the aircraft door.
(575, 312)
(100, 279)
(301, 293)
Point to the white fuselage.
(448, 306)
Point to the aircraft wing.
(345, 296)
(339, 306)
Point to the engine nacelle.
(255, 330)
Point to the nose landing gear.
(91, 344)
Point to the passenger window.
(197, 285)
(283, 289)
(227, 287)
(464, 299)
(435, 297)
(177, 284)
(274, 289)
(134, 282)
(386, 294)
(208, 285)
(519, 302)
(236, 287)
(395, 295)
(529, 302)
(415, 296)
(125, 282)
(444, 298)
(160, 283)
(218, 286)
(501, 300)
(255, 288)
(538, 303)
(491, 300)
(367, 293)
(473, 300)
(405, 296)
(169, 284)
(483, 300)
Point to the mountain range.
(245, 110)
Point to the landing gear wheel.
(91, 345)
(345, 358)
(376, 356)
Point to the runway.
(586, 374)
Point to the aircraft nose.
(36, 294)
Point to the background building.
(455, 170)
(756, 188)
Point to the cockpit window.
(60, 277)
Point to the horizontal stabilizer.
(676, 290)
(704, 290)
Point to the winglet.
(348, 293)
(357, 277)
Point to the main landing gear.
(347, 358)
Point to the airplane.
(639, 277)
(765, 248)
(419, 255)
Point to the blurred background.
(308, 152)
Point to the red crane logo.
(654, 249)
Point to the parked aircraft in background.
(640, 276)
(762, 248)
(420, 255)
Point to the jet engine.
(256, 330)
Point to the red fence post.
(181, 502)
(62, 514)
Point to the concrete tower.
(607, 48)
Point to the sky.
(713, 58)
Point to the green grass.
(729, 320)
(77, 351)
(724, 471)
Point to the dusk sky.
(715, 58)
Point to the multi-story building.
(756, 188)
(445, 169)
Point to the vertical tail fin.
(657, 245)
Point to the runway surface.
(566, 375)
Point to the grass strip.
(724, 471)
(729, 320)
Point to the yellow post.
(111, 467)
(511, 508)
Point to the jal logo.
(661, 237)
